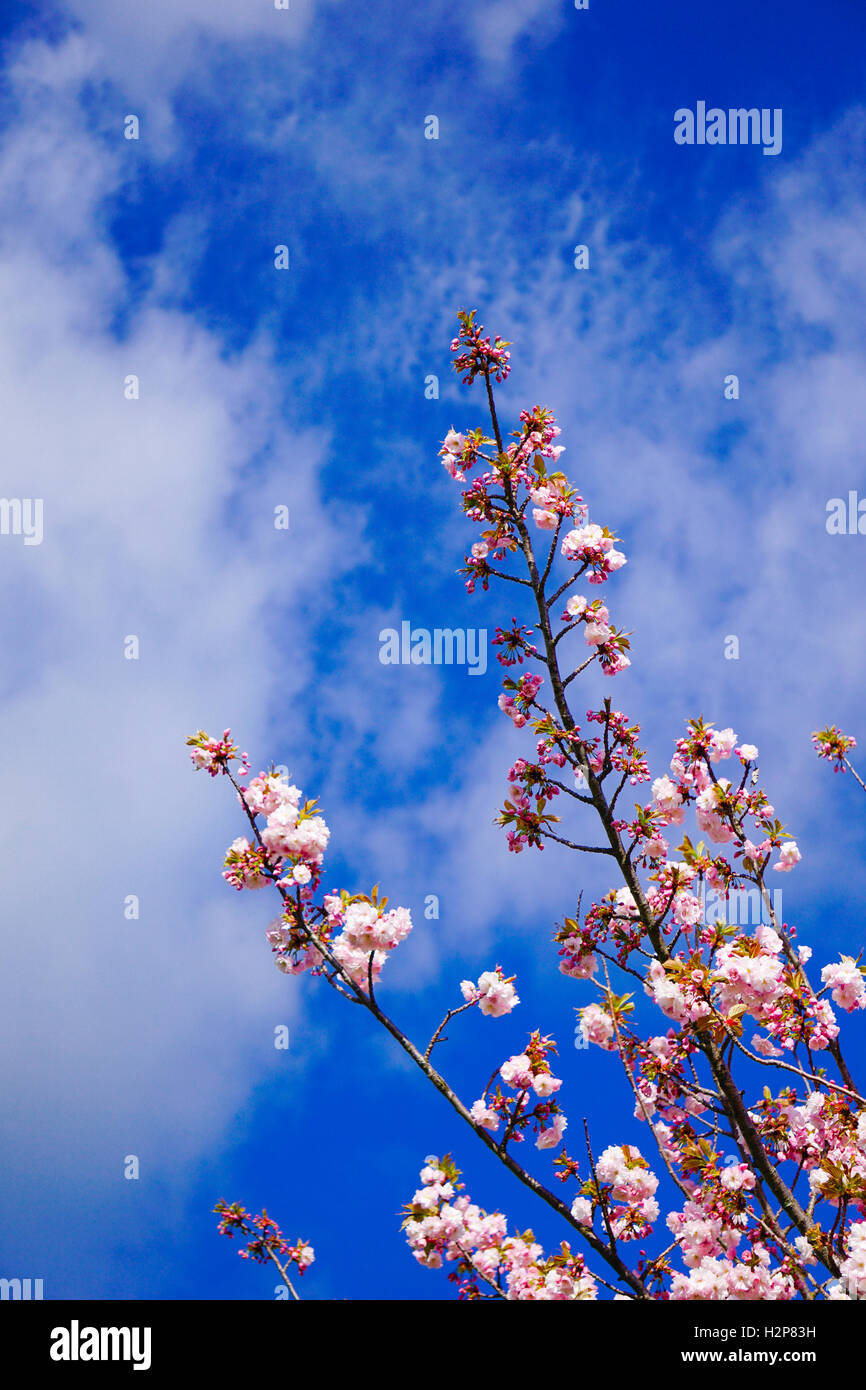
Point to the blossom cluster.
(289, 849)
(607, 644)
(624, 1186)
(479, 354)
(853, 1267)
(824, 1139)
(832, 744)
(725, 1248)
(367, 934)
(845, 980)
(358, 931)
(527, 1072)
(719, 976)
(592, 547)
(266, 1238)
(666, 1092)
(443, 1225)
(213, 755)
(493, 994)
(518, 705)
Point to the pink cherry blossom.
(789, 855)
(846, 983)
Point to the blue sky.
(306, 388)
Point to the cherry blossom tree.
(766, 1169)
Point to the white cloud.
(132, 1036)
(497, 26)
